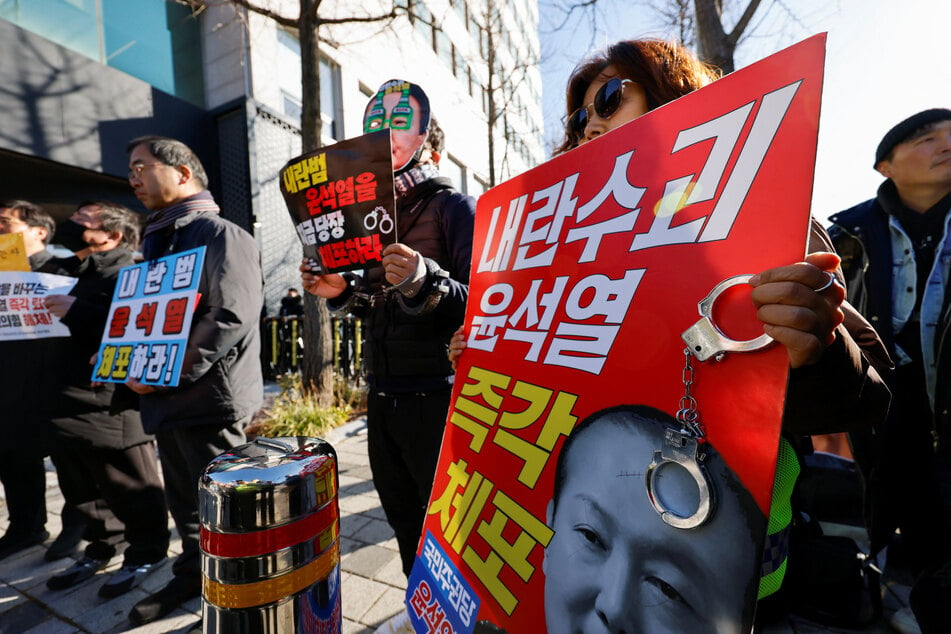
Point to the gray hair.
(173, 153)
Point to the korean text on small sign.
(150, 320)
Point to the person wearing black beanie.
(910, 127)
(896, 250)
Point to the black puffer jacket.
(105, 415)
(221, 379)
(407, 340)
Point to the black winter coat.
(106, 415)
(221, 380)
(27, 381)
(862, 237)
(407, 342)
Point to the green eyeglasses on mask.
(401, 116)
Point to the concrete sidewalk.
(373, 581)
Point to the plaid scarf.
(158, 222)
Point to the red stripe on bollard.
(269, 540)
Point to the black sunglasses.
(606, 102)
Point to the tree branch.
(392, 15)
(200, 5)
(734, 36)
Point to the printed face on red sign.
(614, 565)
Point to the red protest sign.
(563, 467)
(340, 198)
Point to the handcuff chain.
(687, 415)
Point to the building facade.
(79, 78)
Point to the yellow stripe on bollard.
(270, 590)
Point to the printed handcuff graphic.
(686, 447)
(340, 198)
(385, 221)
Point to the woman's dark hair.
(665, 70)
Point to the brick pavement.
(372, 578)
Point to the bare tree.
(715, 45)
(317, 366)
(678, 17)
(504, 79)
(716, 28)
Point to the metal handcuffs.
(685, 450)
(705, 340)
(685, 447)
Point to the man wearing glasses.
(25, 390)
(221, 385)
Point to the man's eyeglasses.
(135, 170)
(606, 102)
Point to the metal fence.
(283, 350)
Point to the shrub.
(295, 413)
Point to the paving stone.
(376, 512)
(358, 503)
(350, 525)
(53, 626)
(386, 607)
(373, 531)
(392, 574)
(391, 544)
(352, 627)
(9, 599)
(93, 614)
(347, 480)
(28, 569)
(362, 472)
(366, 561)
(26, 615)
(348, 545)
(357, 487)
(351, 453)
(358, 596)
(108, 615)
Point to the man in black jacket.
(896, 250)
(412, 305)
(100, 449)
(221, 385)
(25, 386)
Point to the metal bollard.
(270, 523)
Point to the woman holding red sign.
(834, 353)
